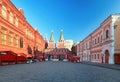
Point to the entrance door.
(60, 58)
(49, 57)
(107, 56)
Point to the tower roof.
(61, 36)
(52, 37)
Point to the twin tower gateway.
(61, 43)
(60, 52)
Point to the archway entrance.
(49, 57)
(60, 58)
(107, 56)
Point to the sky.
(77, 18)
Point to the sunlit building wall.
(68, 44)
(16, 34)
(102, 45)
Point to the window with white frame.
(26, 31)
(11, 39)
(98, 39)
(95, 56)
(16, 41)
(98, 56)
(16, 22)
(101, 38)
(95, 40)
(11, 17)
(3, 36)
(4, 11)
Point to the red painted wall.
(32, 39)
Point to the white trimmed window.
(16, 22)
(26, 31)
(11, 17)
(16, 41)
(11, 39)
(4, 11)
(3, 36)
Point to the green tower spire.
(52, 37)
(61, 36)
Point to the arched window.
(4, 11)
(11, 17)
(107, 34)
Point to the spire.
(61, 36)
(52, 37)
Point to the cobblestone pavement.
(57, 72)
(109, 66)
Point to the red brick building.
(61, 41)
(16, 34)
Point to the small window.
(98, 56)
(16, 41)
(101, 38)
(95, 41)
(3, 36)
(107, 34)
(16, 22)
(95, 56)
(21, 42)
(98, 39)
(11, 39)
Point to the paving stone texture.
(57, 72)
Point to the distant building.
(68, 44)
(74, 49)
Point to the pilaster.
(111, 58)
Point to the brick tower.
(51, 43)
(61, 40)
